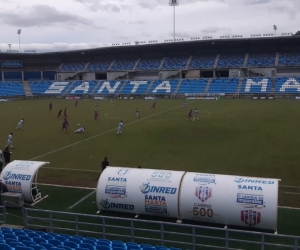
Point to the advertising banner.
(139, 191)
(99, 98)
(229, 200)
(19, 175)
(297, 97)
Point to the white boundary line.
(74, 169)
(291, 193)
(293, 208)
(81, 200)
(103, 133)
(63, 186)
(115, 118)
(289, 186)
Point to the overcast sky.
(57, 25)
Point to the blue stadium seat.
(130, 87)
(55, 242)
(148, 64)
(261, 59)
(37, 247)
(101, 65)
(133, 247)
(76, 240)
(287, 85)
(203, 61)
(160, 87)
(23, 248)
(223, 85)
(69, 67)
(28, 243)
(231, 60)
(42, 87)
(23, 237)
(175, 248)
(149, 248)
(70, 244)
(92, 242)
(15, 243)
(4, 246)
(123, 64)
(100, 247)
(289, 59)
(62, 238)
(46, 245)
(38, 240)
(103, 243)
(109, 87)
(176, 62)
(46, 237)
(21, 233)
(82, 87)
(161, 248)
(56, 248)
(256, 85)
(88, 246)
(192, 86)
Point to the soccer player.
(59, 113)
(96, 114)
(111, 102)
(80, 130)
(66, 121)
(120, 128)
(196, 114)
(20, 123)
(50, 106)
(10, 140)
(65, 125)
(76, 103)
(137, 112)
(65, 112)
(189, 114)
(153, 105)
(184, 105)
(96, 106)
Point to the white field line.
(103, 133)
(289, 186)
(291, 193)
(82, 199)
(74, 169)
(63, 186)
(293, 208)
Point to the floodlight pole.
(9, 45)
(19, 33)
(174, 3)
(275, 28)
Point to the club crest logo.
(203, 193)
(104, 203)
(145, 188)
(250, 217)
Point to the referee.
(104, 164)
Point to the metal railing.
(155, 232)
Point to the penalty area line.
(63, 186)
(103, 133)
(81, 200)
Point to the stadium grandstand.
(242, 67)
(263, 68)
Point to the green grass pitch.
(239, 137)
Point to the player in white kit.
(137, 112)
(80, 130)
(111, 102)
(20, 123)
(9, 141)
(196, 114)
(120, 128)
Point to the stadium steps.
(276, 59)
(27, 89)
(60, 66)
(188, 62)
(216, 61)
(178, 86)
(161, 63)
(94, 89)
(149, 87)
(136, 63)
(207, 86)
(110, 66)
(246, 60)
(67, 90)
(122, 87)
(85, 67)
(238, 90)
(273, 85)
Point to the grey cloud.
(137, 22)
(210, 30)
(111, 6)
(42, 15)
(257, 1)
